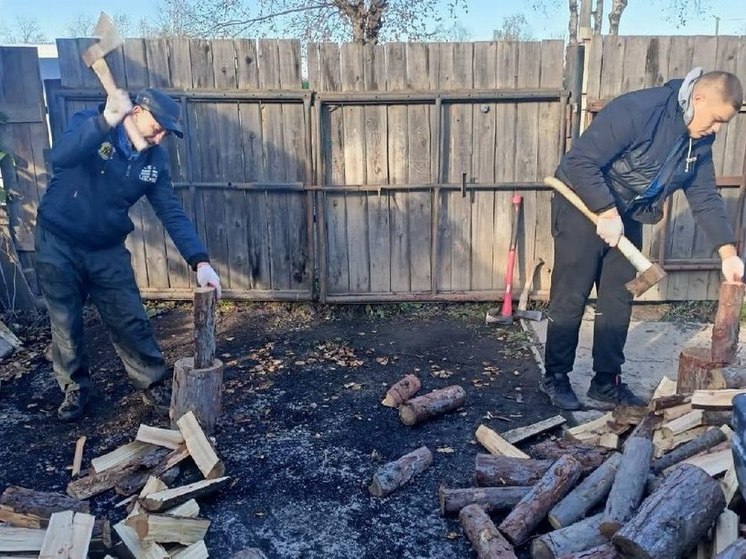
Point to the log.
(663, 443)
(199, 446)
(495, 444)
(647, 426)
(570, 539)
(669, 414)
(484, 537)
(393, 475)
(170, 438)
(490, 499)
(727, 322)
(717, 418)
(520, 524)
(162, 528)
(684, 423)
(38, 503)
(701, 444)
(432, 404)
(519, 434)
(713, 463)
(204, 327)
(165, 469)
(135, 547)
(737, 550)
(720, 399)
(493, 471)
(665, 402)
(698, 371)
(169, 498)
(589, 493)
(674, 518)
(629, 484)
(606, 551)
(590, 457)
(198, 390)
(401, 391)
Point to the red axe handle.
(507, 309)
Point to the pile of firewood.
(160, 523)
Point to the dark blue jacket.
(95, 183)
(621, 153)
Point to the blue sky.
(642, 17)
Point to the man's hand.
(610, 227)
(733, 268)
(207, 276)
(118, 105)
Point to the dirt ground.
(302, 429)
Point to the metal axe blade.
(108, 40)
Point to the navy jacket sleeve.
(169, 210)
(707, 205)
(611, 132)
(86, 132)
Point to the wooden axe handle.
(629, 250)
(107, 81)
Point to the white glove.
(207, 276)
(733, 268)
(118, 105)
(610, 227)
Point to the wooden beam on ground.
(200, 447)
(522, 433)
(393, 475)
(496, 445)
(169, 438)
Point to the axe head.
(108, 40)
(528, 315)
(645, 280)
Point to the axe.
(650, 273)
(523, 311)
(94, 58)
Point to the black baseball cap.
(165, 110)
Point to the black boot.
(558, 388)
(611, 389)
(73, 406)
(158, 395)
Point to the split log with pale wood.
(726, 531)
(520, 434)
(393, 475)
(490, 499)
(702, 443)
(163, 528)
(169, 438)
(401, 391)
(169, 498)
(485, 538)
(497, 445)
(198, 380)
(674, 518)
(575, 537)
(715, 399)
(200, 448)
(431, 405)
(495, 471)
(521, 522)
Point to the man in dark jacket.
(82, 224)
(639, 149)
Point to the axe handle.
(107, 81)
(630, 251)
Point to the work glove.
(207, 276)
(733, 268)
(118, 105)
(610, 227)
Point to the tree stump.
(699, 371)
(490, 499)
(674, 518)
(484, 537)
(533, 508)
(727, 322)
(495, 471)
(431, 405)
(570, 539)
(393, 475)
(198, 380)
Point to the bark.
(393, 475)
(204, 327)
(432, 404)
(606, 551)
(484, 537)
(490, 499)
(699, 371)
(576, 537)
(617, 8)
(197, 390)
(704, 442)
(493, 470)
(401, 391)
(589, 456)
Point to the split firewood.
(190, 509)
(727, 322)
(737, 550)
(432, 404)
(609, 440)
(136, 547)
(729, 484)
(665, 402)
(575, 537)
(168, 498)
(69, 531)
(78, 456)
(200, 447)
(647, 427)
(702, 443)
(163, 528)
(666, 387)
(496, 445)
(669, 414)
(32, 509)
(715, 399)
(490, 499)
(494, 471)
(170, 438)
(629, 484)
(125, 454)
(590, 431)
(93, 484)
(515, 436)
(606, 551)
(589, 456)
(674, 518)
(714, 463)
(20, 540)
(197, 550)
(664, 442)
(134, 482)
(629, 415)
(726, 531)
(684, 423)
(393, 475)
(589, 493)
(533, 508)
(486, 540)
(401, 391)
(153, 485)
(698, 371)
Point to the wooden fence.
(391, 176)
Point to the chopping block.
(198, 380)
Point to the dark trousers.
(582, 259)
(68, 275)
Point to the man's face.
(710, 112)
(153, 132)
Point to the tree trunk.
(674, 518)
(572, 26)
(490, 499)
(598, 17)
(617, 8)
(576, 537)
(494, 471)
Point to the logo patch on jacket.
(106, 151)
(149, 174)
